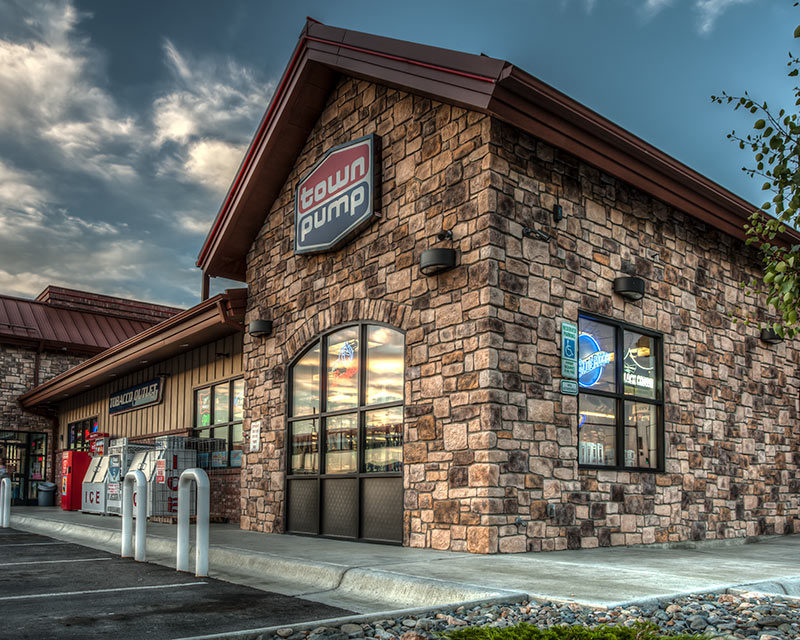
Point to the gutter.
(225, 318)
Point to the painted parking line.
(18, 564)
(97, 591)
(33, 544)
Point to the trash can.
(47, 492)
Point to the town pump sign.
(337, 197)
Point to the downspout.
(206, 290)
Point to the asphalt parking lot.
(52, 589)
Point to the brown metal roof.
(481, 83)
(100, 303)
(214, 318)
(34, 323)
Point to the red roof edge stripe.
(273, 105)
(417, 63)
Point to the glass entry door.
(26, 460)
(345, 436)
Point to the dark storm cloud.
(95, 195)
(122, 123)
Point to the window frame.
(620, 397)
(360, 409)
(222, 425)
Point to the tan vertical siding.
(186, 372)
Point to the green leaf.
(760, 124)
(797, 31)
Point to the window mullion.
(323, 403)
(619, 449)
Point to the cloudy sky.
(122, 123)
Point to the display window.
(219, 411)
(620, 403)
(356, 440)
(79, 434)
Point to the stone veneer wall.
(433, 177)
(17, 366)
(489, 441)
(731, 402)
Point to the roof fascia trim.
(208, 313)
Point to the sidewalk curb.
(308, 579)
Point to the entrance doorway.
(345, 435)
(26, 459)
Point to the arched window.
(345, 421)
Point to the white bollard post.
(5, 502)
(138, 478)
(203, 516)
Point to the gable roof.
(480, 83)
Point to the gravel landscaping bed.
(721, 616)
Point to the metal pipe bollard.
(5, 502)
(141, 515)
(203, 515)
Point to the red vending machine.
(73, 468)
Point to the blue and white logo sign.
(593, 360)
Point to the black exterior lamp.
(260, 328)
(439, 259)
(629, 287)
(770, 336)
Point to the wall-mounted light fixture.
(439, 259)
(259, 328)
(558, 213)
(530, 232)
(770, 336)
(629, 287)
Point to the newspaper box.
(120, 460)
(94, 486)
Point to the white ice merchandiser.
(121, 457)
(94, 486)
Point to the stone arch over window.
(380, 311)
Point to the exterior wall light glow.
(629, 287)
(259, 328)
(770, 336)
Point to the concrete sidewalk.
(369, 578)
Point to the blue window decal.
(593, 360)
